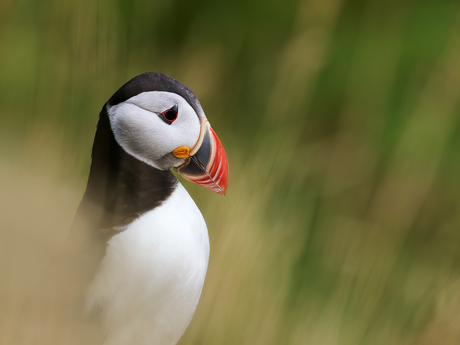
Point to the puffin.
(133, 266)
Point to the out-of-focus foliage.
(341, 121)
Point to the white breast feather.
(150, 280)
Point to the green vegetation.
(341, 121)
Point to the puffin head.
(159, 121)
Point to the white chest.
(150, 280)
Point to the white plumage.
(150, 280)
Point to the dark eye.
(170, 115)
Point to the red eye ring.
(170, 115)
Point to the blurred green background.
(341, 121)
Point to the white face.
(139, 129)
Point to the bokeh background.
(341, 121)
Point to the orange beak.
(207, 164)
